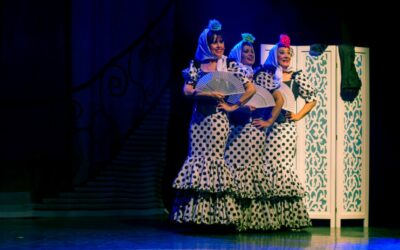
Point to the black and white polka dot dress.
(280, 152)
(205, 186)
(245, 156)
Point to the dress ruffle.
(251, 181)
(292, 213)
(257, 214)
(205, 208)
(205, 174)
(285, 183)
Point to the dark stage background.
(50, 49)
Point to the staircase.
(131, 184)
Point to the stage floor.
(96, 233)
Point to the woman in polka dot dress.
(245, 153)
(281, 136)
(205, 187)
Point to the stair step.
(112, 200)
(128, 168)
(72, 206)
(137, 151)
(137, 165)
(88, 189)
(148, 127)
(148, 147)
(129, 174)
(86, 195)
(152, 138)
(154, 130)
(144, 144)
(120, 184)
(129, 158)
(145, 177)
(136, 161)
(133, 180)
(146, 139)
(160, 117)
(165, 99)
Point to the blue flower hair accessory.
(247, 37)
(214, 25)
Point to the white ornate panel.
(353, 147)
(316, 140)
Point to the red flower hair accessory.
(284, 41)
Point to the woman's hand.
(216, 95)
(227, 107)
(303, 112)
(261, 124)
(292, 116)
(251, 108)
(190, 91)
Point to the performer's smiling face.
(284, 57)
(217, 46)
(248, 56)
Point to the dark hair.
(211, 36)
(247, 44)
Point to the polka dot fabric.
(280, 151)
(258, 214)
(205, 182)
(245, 157)
(292, 213)
(306, 88)
(205, 168)
(203, 208)
(264, 78)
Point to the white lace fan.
(261, 99)
(290, 100)
(224, 82)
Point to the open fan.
(261, 99)
(290, 100)
(224, 82)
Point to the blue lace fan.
(290, 100)
(261, 99)
(224, 82)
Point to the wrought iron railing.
(114, 101)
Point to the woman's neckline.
(206, 70)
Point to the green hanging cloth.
(351, 83)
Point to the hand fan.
(290, 100)
(224, 82)
(261, 99)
